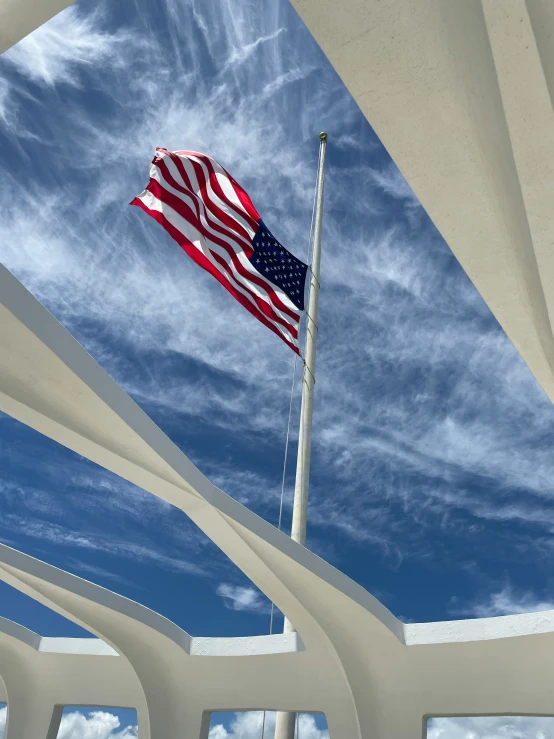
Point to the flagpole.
(285, 721)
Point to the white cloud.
(5, 107)
(287, 78)
(60, 535)
(239, 598)
(347, 141)
(54, 52)
(391, 181)
(412, 374)
(507, 602)
(35, 507)
(249, 726)
(418, 391)
(241, 54)
(94, 725)
(492, 727)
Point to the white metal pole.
(285, 721)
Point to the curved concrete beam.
(50, 383)
(460, 93)
(175, 680)
(369, 673)
(108, 427)
(39, 676)
(18, 18)
(170, 678)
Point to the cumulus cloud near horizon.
(491, 727)
(93, 725)
(101, 724)
(248, 725)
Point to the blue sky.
(431, 466)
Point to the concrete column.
(196, 725)
(29, 718)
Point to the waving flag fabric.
(212, 218)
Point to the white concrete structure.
(158, 669)
(370, 674)
(460, 92)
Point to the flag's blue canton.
(278, 265)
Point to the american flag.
(212, 218)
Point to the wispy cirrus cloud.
(432, 442)
(86, 513)
(5, 112)
(506, 602)
(392, 183)
(427, 422)
(240, 54)
(107, 544)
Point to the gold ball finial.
(323, 136)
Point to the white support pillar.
(29, 717)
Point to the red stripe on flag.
(263, 306)
(250, 213)
(251, 276)
(225, 218)
(216, 187)
(230, 232)
(244, 198)
(203, 262)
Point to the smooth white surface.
(370, 674)
(18, 18)
(460, 93)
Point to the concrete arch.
(469, 73)
(369, 673)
